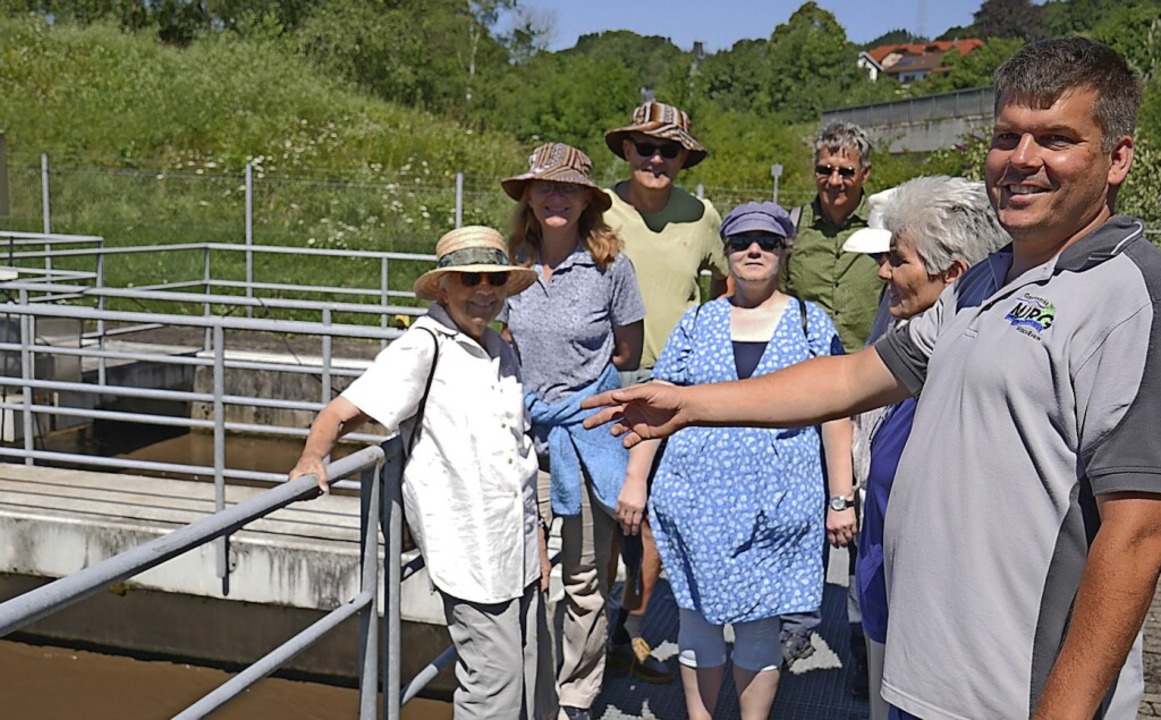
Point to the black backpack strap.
(796, 217)
(805, 323)
(426, 391)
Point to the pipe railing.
(374, 472)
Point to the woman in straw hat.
(575, 328)
(451, 387)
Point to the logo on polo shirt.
(1032, 315)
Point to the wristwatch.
(838, 503)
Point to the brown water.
(41, 682)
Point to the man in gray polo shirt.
(1023, 539)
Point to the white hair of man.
(947, 218)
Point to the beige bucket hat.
(656, 119)
(474, 248)
(560, 163)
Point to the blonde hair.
(601, 242)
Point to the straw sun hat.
(472, 249)
(559, 163)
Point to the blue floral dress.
(739, 513)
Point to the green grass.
(332, 168)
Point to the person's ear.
(1121, 158)
(953, 271)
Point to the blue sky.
(720, 23)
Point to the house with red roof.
(910, 62)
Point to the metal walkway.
(820, 693)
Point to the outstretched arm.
(338, 418)
(809, 393)
(1119, 579)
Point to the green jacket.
(844, 284)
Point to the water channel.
(49, 682)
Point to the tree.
(898, 36)
(811, 64)
(1135, 32)
(1010, 19)
(650, 57)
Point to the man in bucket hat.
(671, 236)
(452, 389)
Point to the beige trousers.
(586, 544)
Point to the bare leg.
(702, 686)
(755, 691)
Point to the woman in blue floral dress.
(739, 514)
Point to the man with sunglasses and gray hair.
(845, 284)
(671, 236)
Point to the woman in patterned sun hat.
(579, 323)
(738, 513)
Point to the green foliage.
(899, 36)
(810, 64)
(1010, 19)
(1135, 32)
(649, 58)
(1141, 194)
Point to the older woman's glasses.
(668, 150)
(768, 243)
(846, 173)
(472, 279)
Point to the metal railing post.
(4, 204)
(384, 320)
(700, 191)
(223, 549)
(26, 374)
(249, 236)
(101, 362)
(206, 279)
(392, 517)
(459, 199)
(370, 492)
(44, 204)
(327, 343)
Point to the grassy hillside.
(147, 144)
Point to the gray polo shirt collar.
(579, 256)
(1107, 241)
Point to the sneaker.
(575, 713)
(636, 659)
(795, 647)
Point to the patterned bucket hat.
(473, 248)
(560, 163)
(662, 121)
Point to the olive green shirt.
(845, 284)
(669, 249)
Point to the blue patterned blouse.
(739, 513)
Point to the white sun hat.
(874, 238)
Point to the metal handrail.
(59, 594)
(369, 462)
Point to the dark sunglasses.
(768, 243)
(846, 173)
(472, 279)
(668, 150)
